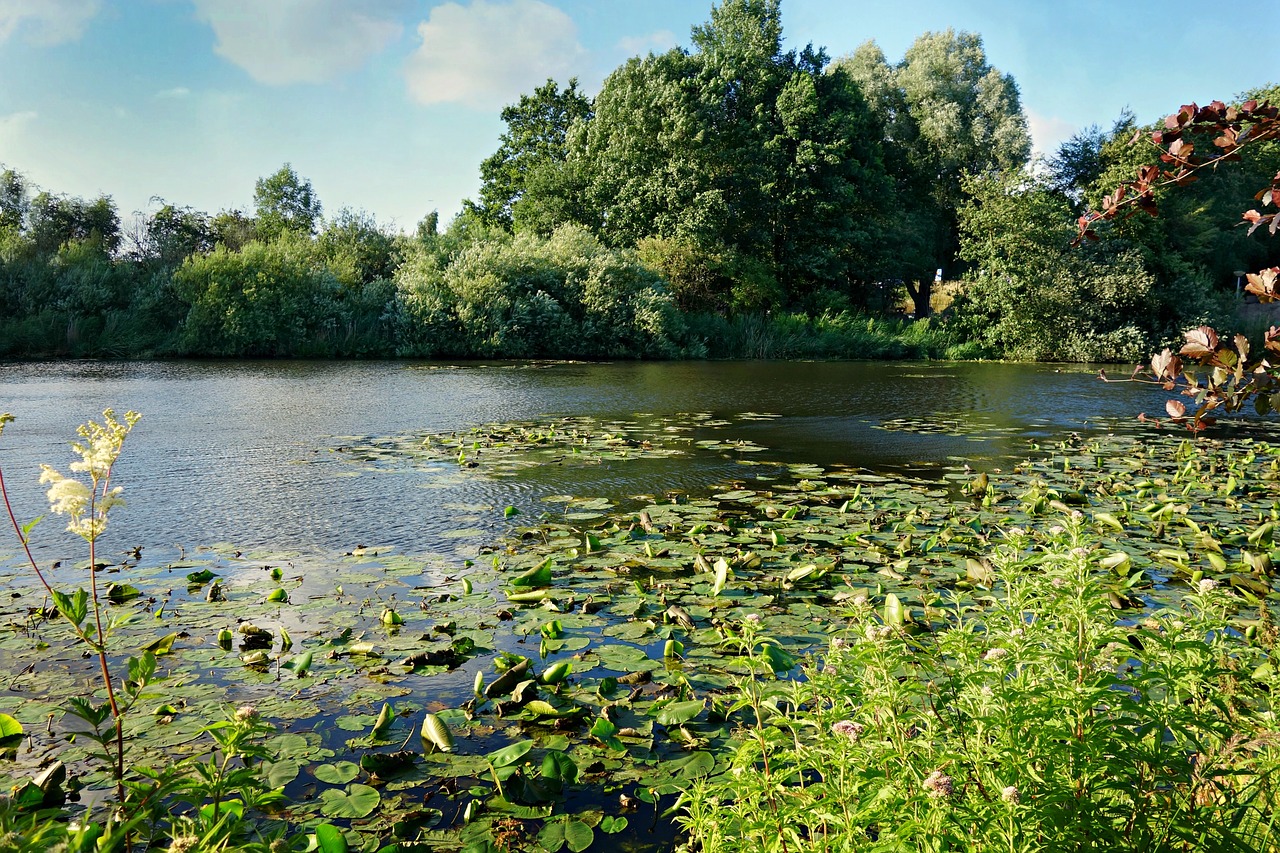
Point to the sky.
(389, 106)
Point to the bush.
(1038, 723)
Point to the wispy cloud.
(175, 93)
(281, 42)
(15, 122)
(46, 22)
(655, 42)
(1048, 132)
(485, 54)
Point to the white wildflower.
(938, 784)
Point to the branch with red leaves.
(1229, 379)
(1232, 129)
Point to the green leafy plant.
(1036, 722)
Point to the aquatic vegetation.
(592, 666)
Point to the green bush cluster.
(1035, 723)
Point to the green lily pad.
(338, 773)
(356, 801)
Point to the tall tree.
(946, 113)
(53, 220)
(13, 200)
(285, 203)
(532, 151)
(743, 158)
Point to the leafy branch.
(1230, 378)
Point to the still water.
(243, 452)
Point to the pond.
(241, 452)
(399, 534)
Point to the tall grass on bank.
(846, 334)
(1034, 723)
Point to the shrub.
(1037, 723)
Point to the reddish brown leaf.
(1175, 409)
(1200, 343)
(1263, 284)
(1166, 365)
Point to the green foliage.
(356, 249)
(946, 113)
(521, 177)
(1036, 723)
(285, 204)
(269, 299)
(489, 294)
(752, 163)
(1032, 297)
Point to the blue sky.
(389, 106)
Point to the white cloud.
(173, 94)
(47, 22)
(485, 54)
(1048, 132)
(299, 41)
(13, 124)
(656, 42)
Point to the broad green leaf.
(894, 615)
(539, 575)
(678, 713)
(338, 773)
(162, 646)
(355, 802)
(329, 839)
(559, 767)
(9, 727)
(509, 755)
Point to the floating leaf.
(509, 755)
(9, 727)
(329, 839)
(894, 615)
(559, 767)
(356, 802)
(539, 575)
(162, 646)
(385, 718)
(118, 593)
(678, 713)
(338, 773)
(557, 672)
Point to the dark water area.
(243, 452)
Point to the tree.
(532, 149)
(285, 203)
(234, 229)
(173, 233)
(356, 249)
(751, 158)
(13, 200)
(946, 112)
(1221, 134)
(55, 220)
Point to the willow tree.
(946, 113)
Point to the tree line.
(733, 198)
